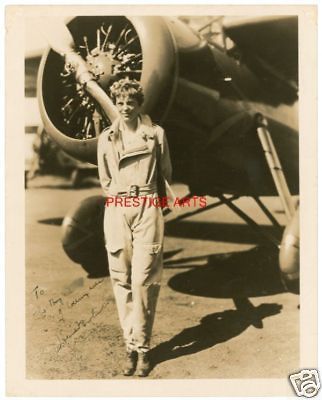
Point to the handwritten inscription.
(38, 292)
(59, 309)
(53, 302)
(78, 299)
(81, 324)
(96, 283)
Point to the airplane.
(230, 113)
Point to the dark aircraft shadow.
(250, 273)
(98, 267)
(51, 221)
(222, 232)
(213, 329)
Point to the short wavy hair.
(127, 87)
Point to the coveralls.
(134, 235)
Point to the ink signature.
(81, 324)
(39, 292)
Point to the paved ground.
(222, 311)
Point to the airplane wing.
(268, 45)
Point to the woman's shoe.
(144, 364)
(130, 363)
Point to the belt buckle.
(134, 191)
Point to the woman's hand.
(75, 63)
(61, 41)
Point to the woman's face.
(128, 107)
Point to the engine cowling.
(114, 47)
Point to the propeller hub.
(101, 64)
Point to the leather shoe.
(144, 364)
(130, 363)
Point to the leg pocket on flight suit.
(115, 259)
(119, 261)
(147, 263)
(114, 230)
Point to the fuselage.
(211, 127)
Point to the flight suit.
(134, 235)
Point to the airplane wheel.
(83, 236)
(289, 256)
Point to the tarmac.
(222, 311)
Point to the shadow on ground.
(222, 232)
(250, 273)
(213, 329)
(51, 221)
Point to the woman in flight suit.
(130, 154)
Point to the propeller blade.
(57, 35)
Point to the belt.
(135, 190)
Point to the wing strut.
(228, 201)
(249, 220)
(199, 210)
(268, 214)
(275, 166)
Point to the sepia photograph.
(161, 193)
